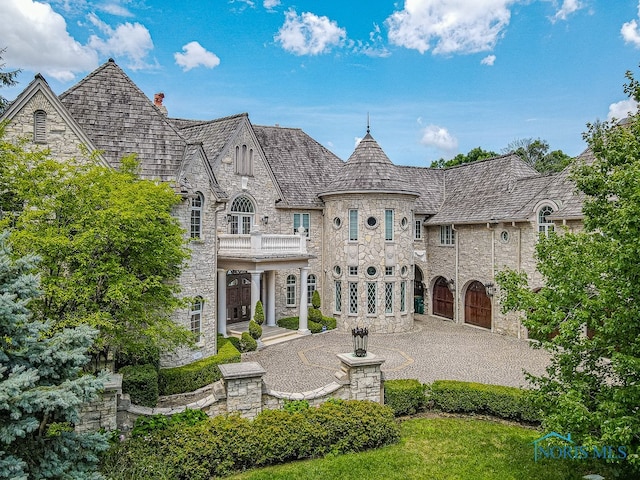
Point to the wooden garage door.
(442, 299)
(477, 306)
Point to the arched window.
(311, 287)
(196, 317)
(544, 224)
(40, 126)
(241, 217)
(291, 290)
(196, 216)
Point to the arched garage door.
(477, 306)
(442, 299)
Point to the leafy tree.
(587, 314)
(111, 251)
(474, 155)
(7, 79)
(41, 386)
(536, 154)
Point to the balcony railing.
(259, 243)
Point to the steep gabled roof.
(214, 134)
(121, 120)
(485, 191)
(300, 164)
(368, 170)
(429, 182)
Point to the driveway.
(434, 350)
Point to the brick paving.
(434, 350)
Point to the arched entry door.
(442, 304)
(477, 306)
(238, 297)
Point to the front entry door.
(238, 298)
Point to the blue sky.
(435, 77)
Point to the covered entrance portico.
(246, 275)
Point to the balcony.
(262, 245)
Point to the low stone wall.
(240, 390)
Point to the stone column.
(270, 311)
(222, 301)
(243, 383)
(102, 412)
(363, 375)
(255, 289)
(303, 327)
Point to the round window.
(372, 222)
(337, 223)
(371, 271)
(337, 270)
(404, 222)
(404, 270)
(504, 236)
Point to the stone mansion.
(272, 215)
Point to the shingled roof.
(213, 134)
(368, 170)
(486, 191)
(300, 164)
(121, 120)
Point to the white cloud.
(309, 34)
(131, 40)
(270, 4)
(374, 47)
(356, 141)
(488, 60)
(449, 26)
(630, 33)
(194, 56)
(116, 9)
(568, 7)
(37, 39)
(620, 110)
(438, 137)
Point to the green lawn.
(438, 448)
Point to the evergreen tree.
(41, 385)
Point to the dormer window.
(40, 126)
(544, 224)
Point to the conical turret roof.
(368, 170)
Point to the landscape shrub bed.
(405, 397)
(293, 323)
(466, 397)
(221, 445)
(141, 383)
(197, 374)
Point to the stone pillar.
(222, 301)
(102, 412)
(255, 289)
(270, 312)
(303, 327)
(363, 375)
(243, 383)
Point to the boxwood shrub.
(292, 323)
(141, 383)
(225, 444)
(247, 343)
(197, 374)
(405, 397)
(505, 402)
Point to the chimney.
(157, 101)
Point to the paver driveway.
(434, 350)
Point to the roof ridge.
(89, 76)
(197, 123)
(497, 157)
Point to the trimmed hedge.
(292, 323)
(141, 383)
(506, 402)
(225, 444)
(405, 397)
(197, 374)
(247, 343)
(255, 330)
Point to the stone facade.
(377, 261)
